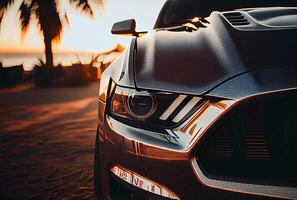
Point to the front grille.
(254, 143)
(256, 147)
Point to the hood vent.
(236, 19)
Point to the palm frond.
(4, 4)
(86, 5)
(94, 59)
(1, 16)
(83, 5)
(66, 19)
(25, 15)
(40, 61)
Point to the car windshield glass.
(178, 11)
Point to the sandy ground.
(47, 141)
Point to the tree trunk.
(48, 52)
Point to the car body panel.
(122, 69)
(196, 62)
(257, 82)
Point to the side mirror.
(127, 27)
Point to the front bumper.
(171, 166)
(176, 175)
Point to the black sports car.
(203, 107)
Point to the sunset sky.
(84, 33)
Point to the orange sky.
(84, 34)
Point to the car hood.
(199, 61)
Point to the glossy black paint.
(220, 61)
(259, 81)
(176, 9)
(196, 62)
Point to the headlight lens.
(140, 106)
(152, 109)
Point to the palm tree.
(48, 17)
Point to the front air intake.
(255, 143)
(236, 19)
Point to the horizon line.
(35, 51)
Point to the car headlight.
(148, 109)
(137, 105)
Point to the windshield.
(178, 11)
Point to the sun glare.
(84, 34)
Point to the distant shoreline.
(41, 53)
(29, 60)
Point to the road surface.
(47, 139)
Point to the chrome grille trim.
(262, 190)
